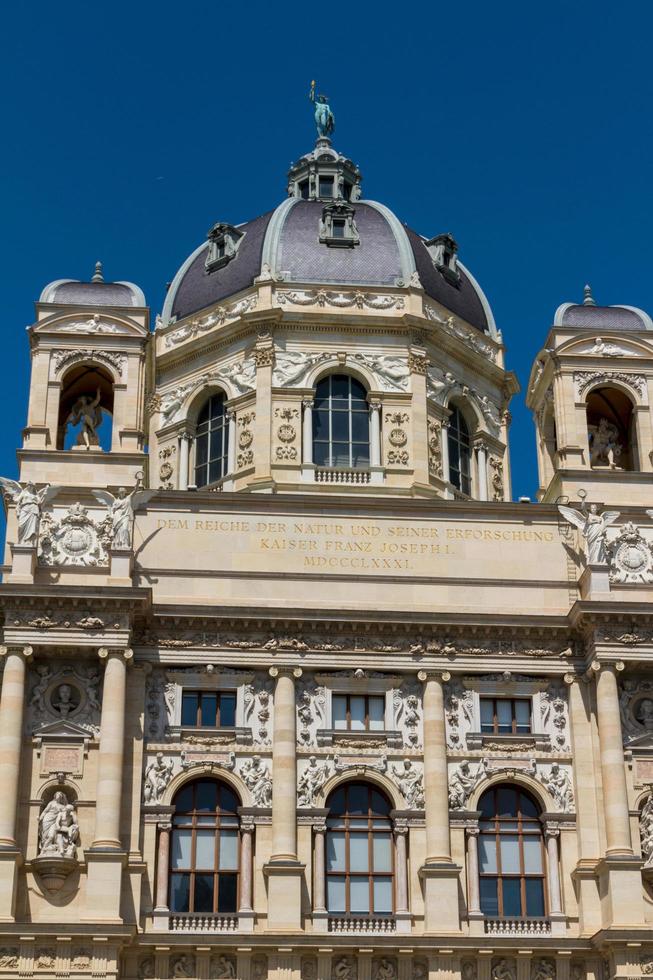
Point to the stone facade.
(204, 677)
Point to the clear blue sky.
(522, 128)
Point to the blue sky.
(522, 128)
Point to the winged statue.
(593, 527)
(121, 511)
(28, 502)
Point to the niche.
(86, 409)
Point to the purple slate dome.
(97, 292)
(290, 245)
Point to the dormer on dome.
(338, 225)
(224, 240)
(444, 253)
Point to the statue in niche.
(502, 970)
(324, 118)
(593, 527)
(64, 700)
(157, 776)
(58, 828)
(543, 969)
(37, 697)
(386, 970)
(344, 969)
(223, 969)
(604, 444)
(87, 411)
(121, 512)
(183, 966)
(468, 970)
(28, 502)
(644, 713)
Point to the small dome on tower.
(97, 292)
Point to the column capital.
(23, 650)
(276, 671)
(104, 653)
(374, 404)
(481, 443)
(319, 825)
(434, 675)
(308, 400)
(613, 665)
(472, 830)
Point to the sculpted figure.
(559, 785)
(157, 776)
(468, 970)
(58, 828)
(343, 970)
(28, 502)
(411, 783)
(121, 512)
(87, 411)
(311, 782)
(386, 970)
(324, 118)
(182, 967)
(225, 969)
(64, 703)
(462, 783)
(543, 969)
(502, 970)
(256, 776)
(594, 528)
(646, 832)
(37, 699)
(604, 443)
(645, 713)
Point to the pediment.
(63, 729)
(90, 324)
(606, 346)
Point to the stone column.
(108, 796)
(375, 433)
(184, 460)
(440, 874)
(401, 865)
(262, 428)
(231, 441)
(284, 871)
(444, 437)
(319, 884)
(551, 833)
(418, 365)
(481, 465)
(12, 706)
(613, 770)
(307, 432)
(162, 869)
(473, 881)
(246, 908)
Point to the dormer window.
(326, 186)
(224, 241)
(337, 225)
(444, 252)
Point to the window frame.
(348, 695)
(342, 823)
(459, 435)
(202, 693)
(516, 729)
(326, 408)
(214, 424)
(193, 824)
(534, 829)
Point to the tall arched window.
(460, 452)
(341, 429)
(359, 852)
(204, 849)
(511, 854)
(211, 442)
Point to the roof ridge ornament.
(324, 118)
(97, 275)
(588, 299)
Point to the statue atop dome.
(324, 118)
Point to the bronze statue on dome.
(324, 118)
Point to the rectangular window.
(506, 716)
(358, 712)
(338, 230)
(208, 709)
(326, 186)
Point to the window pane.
(357, 798)
(339, 385)
(360, 427)
(338, 229)
(227, 893)
(377, 713)
(487, 715)
(489, 899)
(340, 426)
(321, 453)
(511, 896)
(228, 850)
(228, 800)
(358, 852)
(340, 454)
(523, 713)
(209, 710)
(360, 456)
(383, 894)
(215, 471)
(359, 894)
(527, 806)
(357, 711)
(335, 851)
(339, 710)
(506, 802)
(378, 803)
(534, 896)
(320, 424)
(201, 450)
(206, 796)
(504, 716)
(205, 849)
(179, 893)
(227, 710)
(487, 854)
(532, 855)
(382, 852)
(203, 900)
(189, 708)
(336, 894)
(510, 854)
(180, 852)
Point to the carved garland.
(63, 357)
(583, 379)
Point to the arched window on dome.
(511, 855)
(611, 429)
(211, 441)
(204, 850)
(341, 427)
(86, 409)
(360, 866)
(460, 452)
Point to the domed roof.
(97, 292)
(285, 245)
(615, 319)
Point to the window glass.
(335, 851)
(205, 849)
(460, 452)
(358, 853)
(179, 893)
(532, 855)
(510, 854)
(181, 849)
(357, 710)
(359, 897)
(227, 893)
(340, 423)
(489, 896)
(206, 797)
(377, 713)
(523, 716)
(511, 897)
(189, 701)
(211, 442)
(487, 854)
(511, 865)
(382, 852)
(203, 899)
(383, 895)
(504, 716)
(227, 710)
(535, 896)
(336, 894)
(487, 715)
(209, 710)
(339, 708)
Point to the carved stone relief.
(222, 967)
(286, 432)
(312, 777)
(396, 437)
(256, 775)
(166, 467)
(554, 715)
(384, 968)
(201, 324)
(183, 966)
(74, 539)
(341, 300)
(58, 828)
(245, 455)
(68, 693)
(157, 776)
(583, 379)
(646, 832)
(459, 713)
(62, 358)
(496, 478)
(472, 338)
(407, 713)
(392, 371)
(630, 556)
(409, 777)
(503, 968)
(543, 968)
(435, 447)
(258, 709)
(636, 707)
(311, 711)
(241, 375)
(344, 968)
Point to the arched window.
(86, 409)
(359, 852)
(511, 854)
(611, 429)
(460, 452)
(204, 849)
(341, 429)
(211, 442)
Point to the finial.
(324, 118)
(588, 299)
(97, 275)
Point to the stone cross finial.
(588, 299)
(97, 275)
